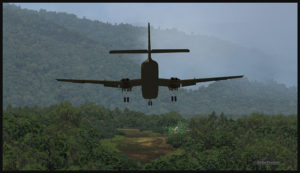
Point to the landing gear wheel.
(173, 98)
(126, 99)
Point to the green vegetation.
(39, 47)
(65, 137)
(179, 128)
(91, 137)
(218, 143)
(95, 130)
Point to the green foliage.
(85, 137)
(64, 137)
(221, 144)
(178, 160)
(39, 47)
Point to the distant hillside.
(39, 47)
(37, 51)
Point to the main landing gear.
(150, 103)
(126, 98)
(173, 97)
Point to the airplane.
(149, 80)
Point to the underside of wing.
(164, 82)
(135, 82)
(189, 82)
(106, 83)
(175, 83)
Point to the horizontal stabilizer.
(129, 51)
(169, 50)
(152, 51)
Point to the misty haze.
(256, 40)
(238, 124)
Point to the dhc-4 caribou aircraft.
(149, 80)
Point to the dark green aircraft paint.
(150, 80)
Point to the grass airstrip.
(141, 145)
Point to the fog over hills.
(39, 47)
(237, 124)
(258, 40)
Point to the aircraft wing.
(164, 82)
(135, 82)
(104, 82)
(115, 84)
(189, 82)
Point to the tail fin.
(149, 42)
(149, 51)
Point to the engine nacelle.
(125, 84)
(174, 83)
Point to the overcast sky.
(271, 27)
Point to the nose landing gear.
(126, 99)
(150, 103)
(173, 98)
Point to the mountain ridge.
(29, 73)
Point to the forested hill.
(39, 47)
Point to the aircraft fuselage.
(149, 79)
